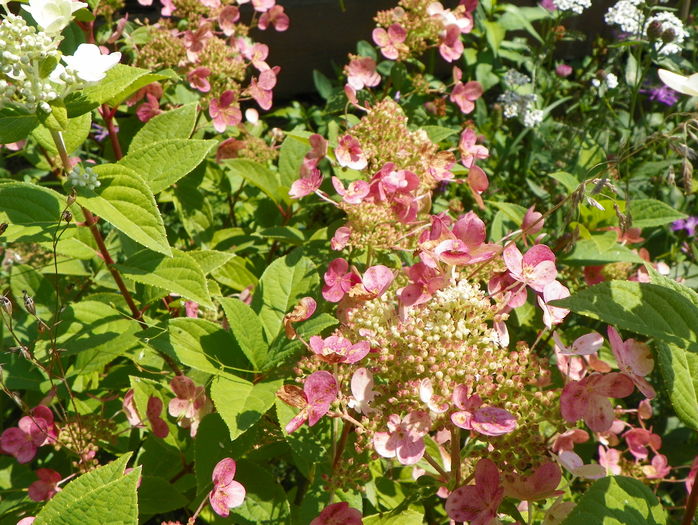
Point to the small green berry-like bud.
(654, 30)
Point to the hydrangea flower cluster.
(31, 75)
(422, 351)
(417, 25)
(211, 47)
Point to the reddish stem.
(108, 116)
(691, 505)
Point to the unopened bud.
(6, 304)
(71, 198)
(3, 227)
(668, 35)
(654, 30)
(29, 303)
(67, 216)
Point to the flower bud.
(3, 227)
(67, 216)
(668, 35)
(29, 303)
(6, 304)
(654, 30)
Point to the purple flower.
(548, 4)
(689, 224)
(663, 94)
(100, 132)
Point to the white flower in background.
(604, 81)
(672, 33)
(680, 83)
(53, 15)
(611, 81)
(576, 6)
(514, 78)
(84, 176)
(532, 117)
(90, 64)
(626, 15)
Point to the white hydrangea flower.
(90, 64)
(671, 23)
(626, 15)
(53, 15)
(575, 6)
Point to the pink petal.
(385, 444)
(410, 452)
(377, 279)
(513, 260)
(493, 421)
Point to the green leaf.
(438, 133)
(200, 344)
(679, 370)
(31, 211)
(323, 85)
(74, 136)
(57, 118)
(643, 308)
(96, 332)
(495, 34)
(650, 212)
(163, 163)
(598, 250)
(632, 71)
(16, 124)
(247, 329)
(406, 517)
(261, 177)
(125, 201)
(310, 446)
(568, 180)
(209, 260)
(237, 273)
(290, 159)
(105, 491)
(617, 500)
(157, 495)
(282, 284)
(174, 124)
(178, 274)
(241, 403)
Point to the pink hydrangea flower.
(469, 149)
(404, 438)
(535, 269)
(338, 514)
(435, 403)
(306, 185)
(574, 464)
(362, 391)
(563, 70)
(261, 89)
(319, 391)
(361, 72)
(692, 475)
(190, 405)
(194, 41)
(349, 153)
(467, 245)
(47, 485)
(227, 18)
(275, 17)
(129, 408)
(198, 79)
(153, 411)
(477, 504)
(263, 5)
(584, 345)
(568, 439)
(339, 279)
(227, 493)
(489, 421)
(588, 399)
(658, 468)
(376, 280)
(610, 460)
(338, 349)
(532, 222)
(552, 291)
(301, 312)
(390, 41)
(354, 193)
(539, 485)
(638, 439)
(478, 183)
(340, 238)
(149, 109)
(451, 47)
(168, 7)
(465, 95)
(224, 111)
(634, 359)
(31, 432)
